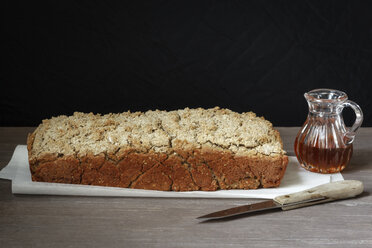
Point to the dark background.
(106, 56)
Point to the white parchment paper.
(295, 179)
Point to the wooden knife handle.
(331, 191)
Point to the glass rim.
(326, 95)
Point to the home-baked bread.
(182, 150)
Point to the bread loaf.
(182, 150)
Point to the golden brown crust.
(185, 129)
(200, 169)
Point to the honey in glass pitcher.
(324, 143)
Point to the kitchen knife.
(320, 194)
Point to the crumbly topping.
(159, 131)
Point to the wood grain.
(59, 221)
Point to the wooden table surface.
(65, 221)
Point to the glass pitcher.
(324, 143)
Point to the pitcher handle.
(350, 132)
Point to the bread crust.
(202, 169)
(184, 150)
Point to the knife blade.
(320, 194)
